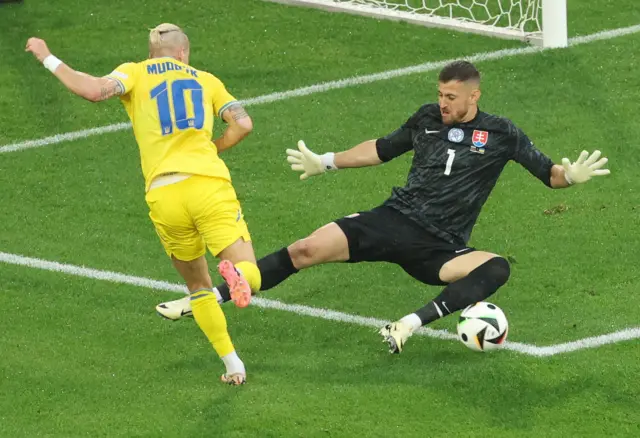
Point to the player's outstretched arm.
(88, 87)
(311, 164)
(582, 170)
(239, 126)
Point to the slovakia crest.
(480, 138)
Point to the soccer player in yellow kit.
(188, 187)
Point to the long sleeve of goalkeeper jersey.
(400, 141)
(527, 155)
(394, 144)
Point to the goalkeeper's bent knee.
(251, 273)
(479, 285)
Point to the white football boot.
(396, 334)
(176, 309)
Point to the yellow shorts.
(196, 213)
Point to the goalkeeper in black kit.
(424, 227)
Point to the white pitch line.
(333, 85)
(327, 314)
(592, 342)
(60, 138)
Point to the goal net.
(541, 22)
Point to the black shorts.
(386, 235)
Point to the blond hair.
(167, 39)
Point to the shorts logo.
(456, 135)
(239, 216)
(479, 139)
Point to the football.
(483, 327)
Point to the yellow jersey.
(171, 106)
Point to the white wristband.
(51, 63)
(327, 161)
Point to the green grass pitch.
(81, 357)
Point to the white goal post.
(540, 22)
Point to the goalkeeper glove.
(309, 163)
(584, 168)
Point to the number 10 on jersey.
(178, 96)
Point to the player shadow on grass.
(499, 386)
(508, 390)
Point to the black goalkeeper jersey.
(455, 168)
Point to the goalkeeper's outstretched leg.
(328, 244)
(325, 245)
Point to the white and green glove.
(584, 168)
(309, 163)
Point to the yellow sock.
(209, 316)
(251, 273)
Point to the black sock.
(274, 269)
(480, 284)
